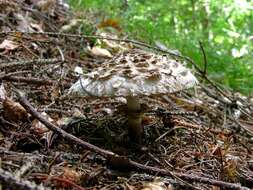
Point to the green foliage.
(223, 26)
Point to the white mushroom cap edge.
(135, 73)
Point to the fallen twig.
(204, 57)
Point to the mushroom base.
(135, 127)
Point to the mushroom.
(132, 74)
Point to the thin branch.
(204, 56)
(29, 80)
(171, 53)
(32, 80)
(28, 63)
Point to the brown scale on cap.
(153, 76)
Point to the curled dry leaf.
(114, 46)
(100, 52)
(37, 27)
(41, 131)
(13, 111)
(45, 5)
(39, 128)
(231, 166)
(8, 45)
(77, 113)
(71, 174)
(110, 23)
(156, 185)
(65, 172)
(71, 25)
(78, 71)
(55, 92)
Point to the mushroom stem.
(135, 128)
(133, 103)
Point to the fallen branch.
(28, 80)
(120, 161)
(31, 80)
(3, 74)
(27, 63)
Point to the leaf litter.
(198, 139)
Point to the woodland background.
(224, 27)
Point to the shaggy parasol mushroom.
(132, 74)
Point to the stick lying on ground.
(112, 156)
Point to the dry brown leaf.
(231, 165)
(39, 128)
(77, 113)
(114, 46)
(156, 185)
(100, 52)
(110, 23)
(71, 25)
(45, 5)
(55, 92)
(146, 120)
(66, 172)
(215, 188)
(13, 111)
(71, 174)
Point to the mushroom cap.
(135, 73)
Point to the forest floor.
(196, 139)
